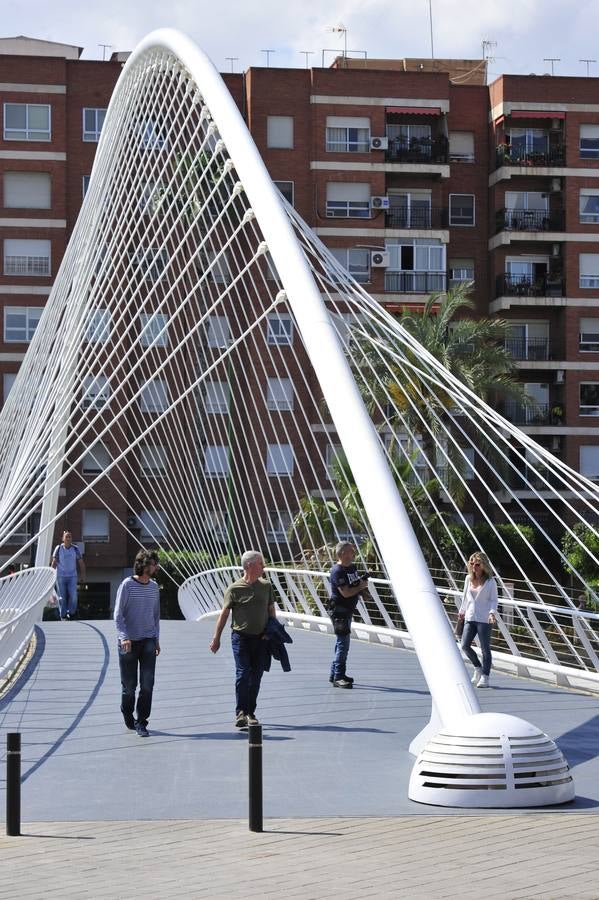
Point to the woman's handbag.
(459, 627)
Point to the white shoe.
(476, 677)
(483, 682)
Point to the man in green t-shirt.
(251, 601)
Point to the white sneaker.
(476, 677)
(483, 682)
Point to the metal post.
(13, 784)
(255, 777)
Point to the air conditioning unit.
(556, 124)
(133, 522)
(379, 203)
(556, 442)
(560, 376)
(556, 249)
(379, 143)
(380, 259)
(556, 185)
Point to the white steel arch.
(165, 364)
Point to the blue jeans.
(67, 591)
(249, 653)
(143, 656)
(483, 630)
(340, 657)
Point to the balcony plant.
(557, 414)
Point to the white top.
(479, 603)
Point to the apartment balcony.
(415, 282)
(509, 285)
(529, 220)
(422, 219)
(531, 348)
(418, 150)
(518, 156)
(534, 414)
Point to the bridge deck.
(327, 752)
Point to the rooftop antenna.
(232, 60)
(268, 52)
(430, 15)
(552, 60)
(307, 54)
(341, 29)
(488, 47)
(105, 47)
(588, 62)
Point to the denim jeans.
(483, 630)
(143, 656)
(67, 592)
(340, 657)
(249, 653)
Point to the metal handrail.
(411, 282)
(529, 634)
(22, 600)
(417, 217)
(509, 285)
(529, 220)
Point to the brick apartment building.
(416, 179)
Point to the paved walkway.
(107, 814)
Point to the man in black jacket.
(346, 586)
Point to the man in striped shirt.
(137, 617)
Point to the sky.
(525, 31)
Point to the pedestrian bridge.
(326, 752)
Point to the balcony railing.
(535, 414)
(529, 220)
(418, 150)
(530, 348)
(518, 156)
(433, 217)
(415, 282)
(509, 285)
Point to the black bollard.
(13, 784)
(255, 776)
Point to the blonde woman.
(479, 610)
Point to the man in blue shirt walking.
(67, 560)
(137, 617)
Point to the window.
(96, 460)
(335, 459)
(460, 270)
(589, 270)
(356, 261)
(154, 330)
(345, 200)
(526, 210)
(279, 394)
(24, 257)
(279, 132)
(589, 141)
(216, 461)
(85, 184)
(419, 263)
(153, 460)
(220, 270)
(409, 209)
(20, 323)
(470, 462)
(524, 141)
(279, 329)
(218, 332)
(405, 137)
(150, 262)
(96, 391)
(152, 524)
(26, 122)
(151, 138)
(154, 396)
(279, 523)
(9, 380)
(348, 134)
(589, 335)
(279, 459)
(286, 188)
(461, 209)
(93, 119)
(98, 329)
(217, 523)
(589, 398)
(27, 190)
(216, 398)
(461, 146)
(589, 206)
(94, 525)
(589, 461)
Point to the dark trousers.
(249, 651)
(142, 657)
(483, 630)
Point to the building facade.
(417, 180)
